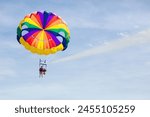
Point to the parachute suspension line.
(42, 62)
(42, 67)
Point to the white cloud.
(7, 73)
(136, 39)
(26, 91)
(6, 67)
(104, 15)
(11, 14)
(10, 44)
(123, 34)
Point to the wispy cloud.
(104, 15)
(136, 39)
(30, 88)
(9, 44)
(6, 67)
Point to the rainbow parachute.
(43, 33)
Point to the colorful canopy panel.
(43, 33)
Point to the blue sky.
(108, 55)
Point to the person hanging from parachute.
(42, 71)
(42, 68)
(43, 33)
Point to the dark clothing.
(42, 70)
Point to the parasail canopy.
(43, 33)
